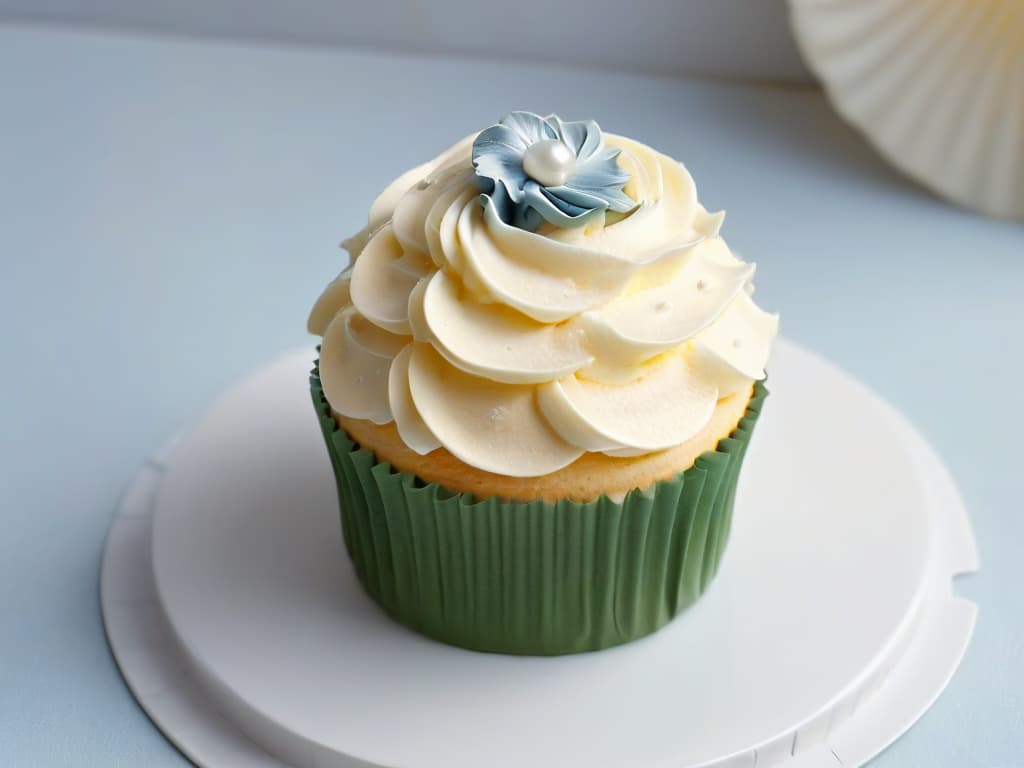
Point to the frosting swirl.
(520, 350)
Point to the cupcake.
(537, 381)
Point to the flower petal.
(499, 135)
(529, 127)
(602, 170)
(562, 213)
(498, 160)
(576, 198)
(582, 136)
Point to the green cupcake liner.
(534, 578)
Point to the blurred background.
(175, 178)
(737, 39)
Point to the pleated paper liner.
(534, 578)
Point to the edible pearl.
(549, 162)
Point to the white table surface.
(168, 211)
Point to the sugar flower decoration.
(536, 169)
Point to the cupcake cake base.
(240, 626)
(537, 578)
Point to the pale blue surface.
(169, 210)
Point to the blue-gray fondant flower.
(538, 169)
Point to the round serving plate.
(238, 623)
(936, 85)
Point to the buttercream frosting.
(519, 350)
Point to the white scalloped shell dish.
(936, 85)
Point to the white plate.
(936, 85)
(231, 608)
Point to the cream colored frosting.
(519, 351)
